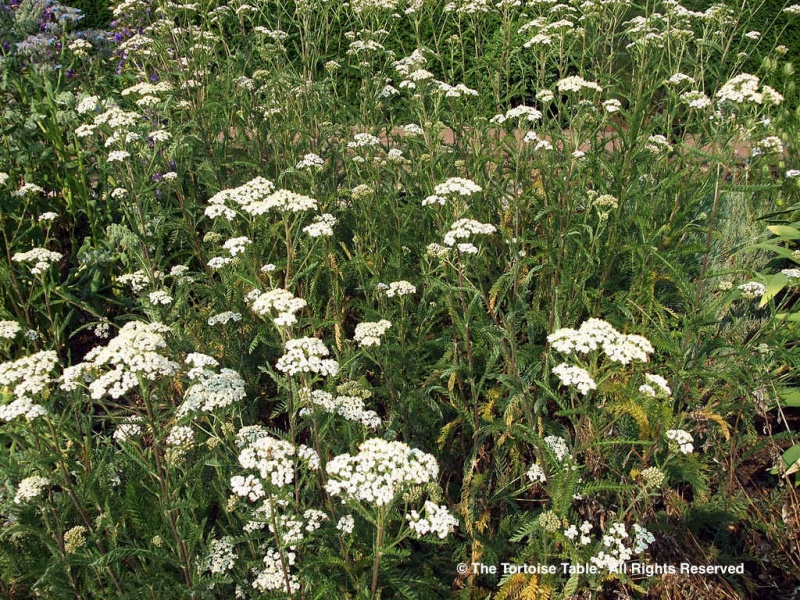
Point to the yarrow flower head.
(114, 369)
(437, 521)
(210, 391)
(9, 329)
(653, 477)
(576, 83)
(379, 472)
(463, 229)
(282, 302)
(580, 378)
(682, 439)
(224, 318)
(252, 194)
(236, 245)
(221, 557)
(536, 474)
(30, 488)
(26, 377)
(273, 459)
(661, 388)
(305, 355)
(349, 407)
(557, 446)
(310, 162)
(453, 187)
(400, 288)
(41, 258)
(322, 226)
(596, 333)
(744, 89)
(369, 333)
(752, 290)
(522, 113)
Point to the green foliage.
(577, 344)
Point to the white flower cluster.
(596, 333)
(160, 297)
(221, 558)
(283, 201)
(314, 519)
(348, 407)
(118, 156)
(457, 186)
(281, 301)
(585, 529)
(657, 144)
(618, 552)
(521, 112)
(536, 474)
(28, 376)
(252, 194)
(369, 333)
(273, 577)
(30, 487)
(683, 439)
(464, 229)
(661, 386)
(752, 290)
(272, 458)
(114, 369)
(642, 538)
(87, 104)
(346, 524)
(40, 257)
(138, 280)
(180, 436)
(116, 118)
(211, 390)
(28, 189)
(576, 83)
(743, 88)
(771, 145)
(322, 226)
(364, 140)
(558, 447)
(437, 520)
(400, 288)
(9, 329)
(305, 355)
(128, 431)
(311, 162)
(412, 130)
(571, 375)
(236, 245)
(379, 472)
(696, 99)
(224, 318)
